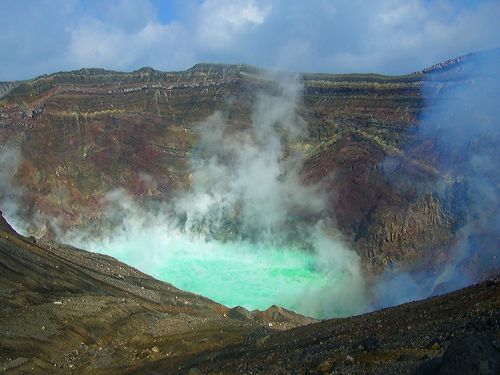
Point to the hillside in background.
(82, 134)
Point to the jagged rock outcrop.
(461, 65)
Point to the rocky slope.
(65, 310)
(87, 132)
(453, 334)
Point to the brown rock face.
(85, 133)
(386, 211)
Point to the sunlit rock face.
(84, 133)
(247, 231)
(81, 135)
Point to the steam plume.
(250, 232)
(10, 194)
(247, 216)
(462, 121)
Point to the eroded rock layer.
(85, 133)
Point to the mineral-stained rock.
(85, 133)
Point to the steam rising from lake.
(248, 231)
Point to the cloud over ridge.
(385, 36)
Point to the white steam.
(246, 216)
(250, 232)
(462, 119)
(244, 175)
(10, 194)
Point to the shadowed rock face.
(474, 354)
(87, 132)
(65, 310)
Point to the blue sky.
(383, 36)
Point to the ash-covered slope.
(457, 333)
(65, 310)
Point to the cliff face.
(85, 133)
(411, 176)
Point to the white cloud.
(386, 36)
(400, 14)
(96, 44)
(220, 22)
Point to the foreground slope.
(67, 310)
(64, 310)
(410, 338)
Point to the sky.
(338, 36)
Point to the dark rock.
(370, 343)
(349, 360)
(5, 226)
(471, 355)
(325, 367)
(257, 334)
(496, 344)
(435, 343)
(429, 367)
(404, 357)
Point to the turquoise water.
(254, 276)
(244, 275)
